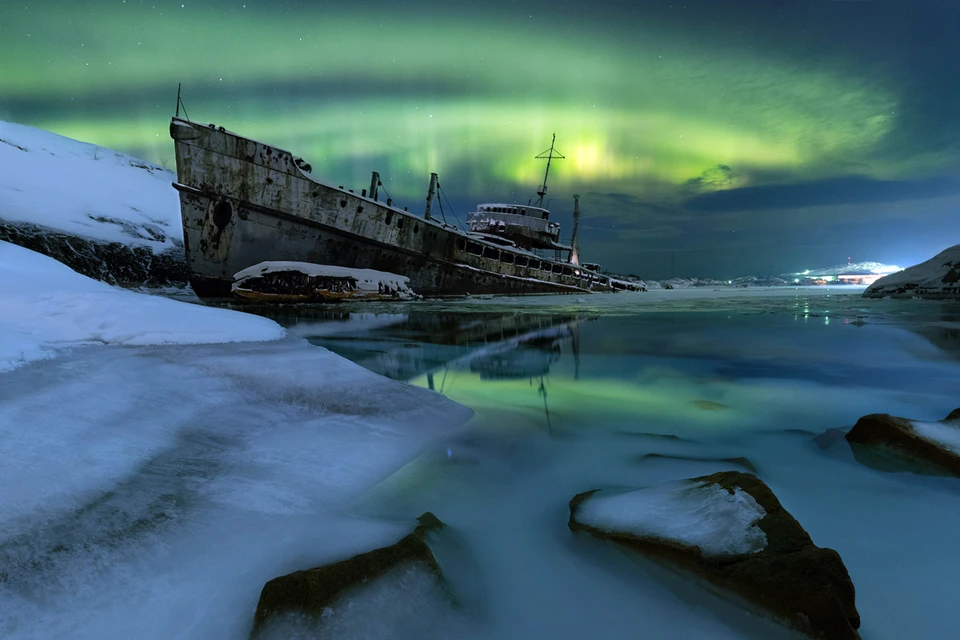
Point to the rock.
(774, 565)
(115, 263)
(311, 592)
(879, 440)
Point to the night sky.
(705, 138)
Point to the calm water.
(626, 391)
(150, 492)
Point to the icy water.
(253, 473)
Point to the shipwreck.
(244, 203)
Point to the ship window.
(343, 203)
(416, 228)
(506, 258)
(400, 222)
(534, 264)
(523, 212)
(521, 262)
(389, 217)
(490, 252)
(567, 271)
(474, 248)
(557, 268)
(461, 244)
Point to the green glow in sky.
(642, 105)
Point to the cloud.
(713, 179)
(818, 193)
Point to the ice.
(86, 190)
(695, 514)
(942, 434)
(46, 305)
(152, 491)
(408, 602)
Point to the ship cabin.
(524, 226)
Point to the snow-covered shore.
(106, 214)
(47, 306)
(149, 442)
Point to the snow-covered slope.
(45, 305)
(938, 279)
(104, 213)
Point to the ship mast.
(548, 155)
(574, 248)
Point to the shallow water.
(579, 395)
(151, 492)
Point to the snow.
(151, 492)
(45, 305)
(367, 279)
(86, 190)
(944, 435)
(925, 279)
(691, 513)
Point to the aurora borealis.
(705, 138)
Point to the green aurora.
(648, 108)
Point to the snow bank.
(45, 304)
(937, 278)
(85, 190)
(692, 513)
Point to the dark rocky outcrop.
(805, 586)
(309, 592)
(890, 443)
(112, 262)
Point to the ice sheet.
(694, 514)
(152, 491)
(45, 305)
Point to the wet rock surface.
(892, 443)
(803, 585)
(112, 262)
(311, 593)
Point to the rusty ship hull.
(244, 202)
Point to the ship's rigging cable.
(444, 196)
(380, 184)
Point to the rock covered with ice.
(283, 281)
(693, 513)
(730, 529)
(108, 215)
(937, 279)
(317, 594)
(46, 306)
(934, 445)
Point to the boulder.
(730, 529)
(928, 447)
(312, 591)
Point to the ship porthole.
(222, 213)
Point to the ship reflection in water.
(440, 350)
